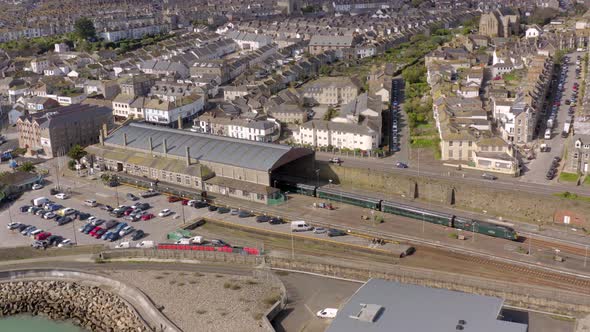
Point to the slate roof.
(217, 149)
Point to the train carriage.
(486, 228)
(348, 198)
(417, 213)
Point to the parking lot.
(155, 229)
(536, 170)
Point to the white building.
(320, 133)
(533, 32)
(39, 65)
(167, 113)
(249, 41)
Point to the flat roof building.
(386, 306)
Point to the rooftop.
(216, 149)
(381, 305)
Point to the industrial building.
(218, 165)
(386, 306)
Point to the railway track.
(564, 248)
(540, 277)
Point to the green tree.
(76, 152)
(84, 28)
(27, 166)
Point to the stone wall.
(509, 204)
(88, 306)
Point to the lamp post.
(183, 218)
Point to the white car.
(49, 215)
(327, 313)
(12, 225)
(37, 186)
(126, 231)
(165, 213)
(35, 232)
(65, 243)
(67, 211)
(91, 219)
(62, 196)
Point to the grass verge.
(572, 196)
(568, 177)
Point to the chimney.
(188, 156)
(165, 147)
(101, 138)
(179, 122)
(105, 130)
(151, 144)
(124, 139)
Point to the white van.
(90, 202)
(145, 244)
(123, 245)
(39, 201)
(300, 226)
(548, 134)
(192, 240)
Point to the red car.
(93, 231)
(42, 236)
(128, 211)
(172, 199)
(147, 217)
(185, 202)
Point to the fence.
(212, 256)
(242, 251)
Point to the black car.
(53, 191)
(118, 214)
(110, 224)
(275, 221)
(557, 159)
(83, 215)
(244, 214)
(106, 208)
(54, 240)
(200, 204)
(64, 221)
(22, 227)
(132, 197)
(223, 210)
(212, 208)
(137, 235)
(262, 219)
(25, 208)
(143, 206)
(100, 233)
(335, 232)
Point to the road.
(536, 169)
(464, 176)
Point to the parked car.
(90, 202)
(244, 214)
(126, 231)
(65, 243)
(212, 208)
(35, 232)
(13, 225)
(332, 232)
(219, 243)
(222, 210)
(262, 219)
(64, 220)
(54, 240)
(200, 204)
(25, 208)
(98, 222)
(37, 186)
(86, 229)
(21, 227)
(42, 236)
(147, 216)
(335, 160)
(327, 313)
(234, 212)
(320, 230)
(489, 176)
(165, 213)
(275, 221)
(61, 196)
(110, 224)
(172, 199)
(131, 197)
(94, 230)
(137, 235)
(49, 215)
(27, 231)
(39, 244)
(143, 206)
(399, 164)
(99, 233)
(83, 215)
(107, 208)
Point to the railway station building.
(385, 306)
(200, 162)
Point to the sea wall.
(87, 306)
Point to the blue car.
(88, 228)
(114, 237)
(106, 235)
(119, 227)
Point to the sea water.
(25, 323)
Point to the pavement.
(536, 169)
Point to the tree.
(76, 152)
(27, 166)
(84, 28)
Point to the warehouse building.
(385, 306)
(218, 165)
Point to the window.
(187, 180)
(450, 153)
(178, 178)
(245, 193)
(460, 143)
(450, 143)
(232, 191)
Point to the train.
(494, 229)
